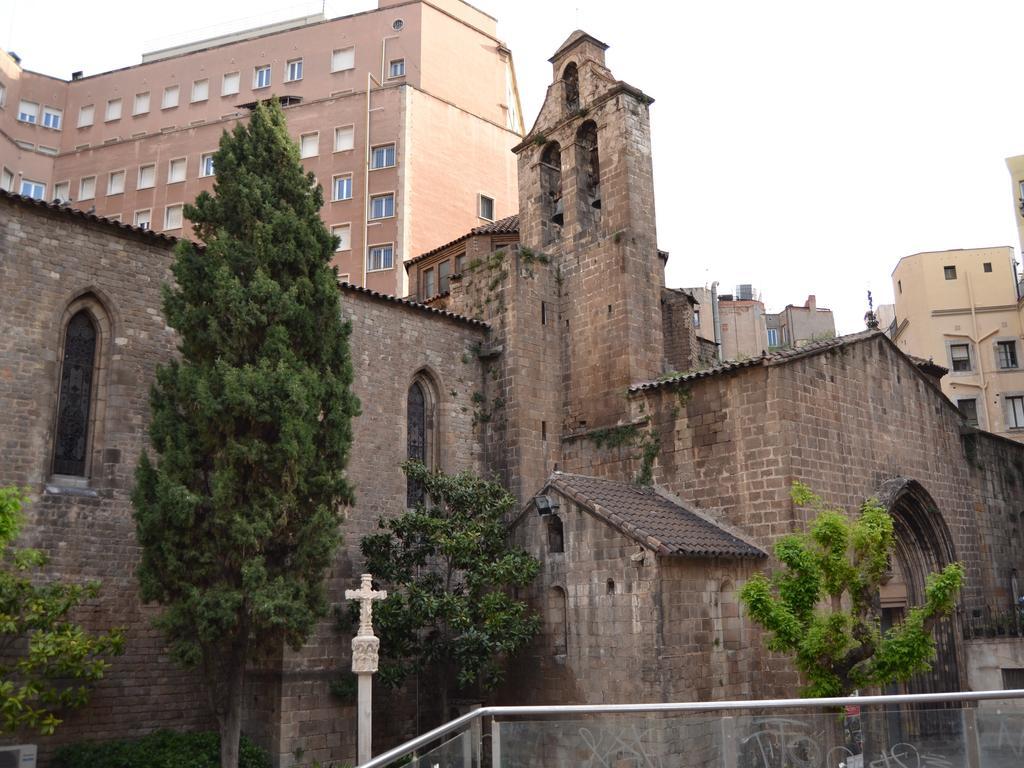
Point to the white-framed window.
(342, 59)
(485, 207)
(1014, 411)
(114, 217)
(115, 183)
(960, 358)
(176, 170)
(33, 189)
(170, 100)
(61, 191)
(6, 179)
(113, 110)
(45, 150)
(396, 68)
(200, 90)
(345, 278)
(344, 138)
(382, 156)
(342, 187)
(28, 111)
(147, 176)
(382, 206)
(380, 257)
(309, 144)
(172, 216)
(143, 218)
(1006, 354)
(206, 164)
(261, 77)
(52, 118)
(140, 105)
(773, 337)
(344, 234)
(86, 114)
(294, 70)
(87, 188)
(969, 408)
(229, 84)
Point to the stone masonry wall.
(681, 351)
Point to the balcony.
(935, 730)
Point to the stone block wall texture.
(681, 350)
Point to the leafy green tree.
(239, 520)
(49, 661)
(449, 572)
(824, 606)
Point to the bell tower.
(586, 199)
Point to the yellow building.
(961, 309)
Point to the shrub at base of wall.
(162, 749)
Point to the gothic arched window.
(75, 399)
(571, 78)
(420, 425)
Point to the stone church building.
(651, 483)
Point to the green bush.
(163, 749)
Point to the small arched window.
(571, 79)
(74, 404)
(589, 165)
(551, 191)
(421, 443)
(558, 620)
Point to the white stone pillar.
(364, 662)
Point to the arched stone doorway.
(923, 545)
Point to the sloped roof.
(774, 358)
(411, 304)
(507, 226)
(652, 519)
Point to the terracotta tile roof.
(79, 214)
(928, 365)
(775, 358)
(652, 519)
(414, 305)
(507, 226)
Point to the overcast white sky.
(803, 147)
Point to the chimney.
(811, 303)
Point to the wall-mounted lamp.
(546, 505)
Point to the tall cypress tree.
(239, 517)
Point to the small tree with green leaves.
(48, 661)
(449, 572)
(239, 521)
(823, 607)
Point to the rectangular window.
(28, 112)
(176, 170)
(113, 110)
(309, 145)
(950, 272)
(1015, 412)
(85, 115)
(87, 188)
(443, 272)
(345, 278)
(696, 319)
(960, 356)
(383, 156)
(344, 234)
(142, 219)
(147, 176)
(294, 70)
(987, 266)
(141, 104)
(343, 187)
(344, 138)
(1006, 354)
(486, 208)
(379, 257)
(460, 263)
(33, 189)
(261, 77)
(206, 165)
(52, 118)
(429, 283)
(397, 68)
(172, 217)
(61, 190)
(200, 90)
(773, 337)
(969, 408)
(229, 84)
(115, 183)
(382, 206)
(342, 59)
(1013, 679)
(170, 97)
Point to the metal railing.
(497, 714)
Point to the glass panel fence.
(456, 752)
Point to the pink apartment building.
(406, 114)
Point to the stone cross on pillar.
(364, 660)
